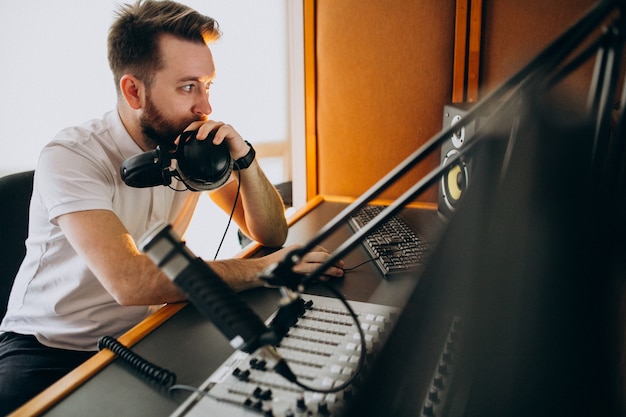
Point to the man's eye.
(188, 88)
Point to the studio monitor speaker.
(456, 179)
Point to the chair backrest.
(15, 193)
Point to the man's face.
(179, 94)
(157, 129)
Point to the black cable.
(232, 212)
(362, 355)
(154, 373)
(352, 268)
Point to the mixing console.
(322, 349)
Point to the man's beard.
(157, 130)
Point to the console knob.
(450, 345)
(429, 409)
(260, 364)
(243, 375)
(347, 394)
(300, 404)
(443, 368)
(433, 395)
(267, 394)
(322, 408)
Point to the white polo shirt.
(56, 297)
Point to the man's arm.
(101, 239)
(131, 277)
(260, 212)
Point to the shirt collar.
(120, 135)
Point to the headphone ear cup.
(146, 169)
(203, 165)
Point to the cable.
(232, 212)
(362, 355)
(161, 376)
(352, 268)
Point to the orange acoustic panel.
(382, 74)
(460, 51)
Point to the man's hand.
(225, 132)
(311, 261)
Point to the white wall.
(54, 72)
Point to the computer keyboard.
(394, 246)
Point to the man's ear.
(133, 91)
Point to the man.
(83, 276)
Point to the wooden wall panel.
(383, 71)
(383, 74)
(516, 31)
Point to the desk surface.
(191, 346)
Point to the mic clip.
(288, 314)
(281, 274)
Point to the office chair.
(15, 193)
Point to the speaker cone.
(454, 181)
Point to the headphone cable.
(232, 212)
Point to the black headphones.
(200, 164)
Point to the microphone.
(213, 297)
(200, 164)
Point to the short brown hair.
(133, 42)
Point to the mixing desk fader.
(322, 349)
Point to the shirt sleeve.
(70, 178)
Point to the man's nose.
(203, 106)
